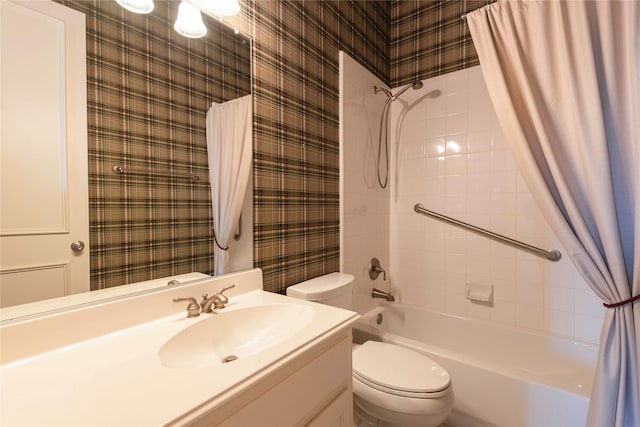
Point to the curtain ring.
(216, 241)
(618, 304)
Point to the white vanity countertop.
(118, 379)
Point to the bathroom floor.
(440, 425)
(361, 422)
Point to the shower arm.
(415, 85)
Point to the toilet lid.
(398, 368)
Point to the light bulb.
(189, 22)
(218, 7)
(137, 6)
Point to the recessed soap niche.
(479, 293)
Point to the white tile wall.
(449, 153)
(451, 156)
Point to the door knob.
(77, 246)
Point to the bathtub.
(502, 376)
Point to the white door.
(43, 152)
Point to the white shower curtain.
(229, 149)
(564, 80)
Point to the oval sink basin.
(227, 336)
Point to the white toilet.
(392, 385)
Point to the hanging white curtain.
(564, 80)
(229, 148)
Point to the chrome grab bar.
(121, 170)
(552, 255)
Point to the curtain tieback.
(618, 304)
(216, 241)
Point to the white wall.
(450, 155)
(364, 206)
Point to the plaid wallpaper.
(296, 123)
(143, 228)
(296, 115)
(428, 38)
(148, 91)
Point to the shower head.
(391, 97)
(415, 86)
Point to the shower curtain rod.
(552, 255)
(463, 17)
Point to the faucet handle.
(375, 269)
(193, 309)
(226, 288)
(220, 299)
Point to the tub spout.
(377, 293)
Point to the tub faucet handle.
(375, 270)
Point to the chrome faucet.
(377, 293)
(218, 301)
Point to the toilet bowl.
(399, 386)
(393, 386)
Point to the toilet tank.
(331, 289)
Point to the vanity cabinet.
(103, 364)
(312, 389)
(339, 413)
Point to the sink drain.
(230, 358)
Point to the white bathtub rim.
(370, 315)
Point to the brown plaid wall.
(142, 228)
(428, 38)
(296, 82)
(148, 91)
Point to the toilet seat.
(399, 371)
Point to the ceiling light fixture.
(189, 22)
(137, 6)
(218, 7)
